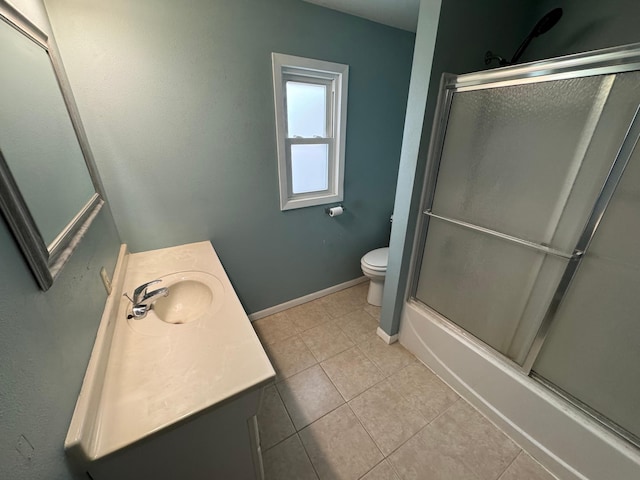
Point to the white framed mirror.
(49, 187)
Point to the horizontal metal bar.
(603, 62)
(504, 236)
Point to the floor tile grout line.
(306, 452)
(374, 363)
(306, 426)
(501, 474)
(368, 433)
(382, 371)
(297, 431)
(414, 410)
(336, 387)
(377, 383)
(323, 415)
(296, 434)
(372, 468)
(393, 467)
(331, 356)
(279, 442)
(276, 380)
(286, 409)
(489, 420)
(319, 418)
(406, 399)
(428, 423)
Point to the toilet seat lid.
(377, 258)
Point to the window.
(311, 118)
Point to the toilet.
(374, 266)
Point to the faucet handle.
(141, 291)
(161, 292)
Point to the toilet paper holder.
(335, 211)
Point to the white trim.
(338, 75)
(388, 339)
(562, 438)
(307, 298)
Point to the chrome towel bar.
(504, 236)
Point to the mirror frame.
(46, 261)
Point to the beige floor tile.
(424, 390)
(352, 372)
(273, 421)
(382, 471)
(308, 315)
(274, 328)
(473, 440)
(388, 358)
(309, 395)
(358, 325)
(387, 416)
(339, 447)
(361, 290)
(373, 311)
(526, 468)
(290, 356)
(345, 301)
(288, 460)
(326, 340)
(422, 457)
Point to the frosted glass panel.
(306, 110)
(309, 168)
(593, 349)
(512, 156)
(482, 283)
(37, 138)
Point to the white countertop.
(155, 379)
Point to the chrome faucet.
(143, 300)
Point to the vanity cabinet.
(172, 395)
(218, 444)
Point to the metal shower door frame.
(608, 61)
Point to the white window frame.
(336, 77)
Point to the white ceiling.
(397, 13)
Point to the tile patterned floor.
(347, 406)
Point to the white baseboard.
(388, 339)
(307, 298)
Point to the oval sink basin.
(187, 300)
(193, 297)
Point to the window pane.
(309, 168)
(306, 110)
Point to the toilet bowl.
(374, 266)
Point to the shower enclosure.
(530, 232)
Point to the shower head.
(545, 24)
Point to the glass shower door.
(519, 170)
(593, 349)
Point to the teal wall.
(177, 101)
(46, 338)
(45, 344)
